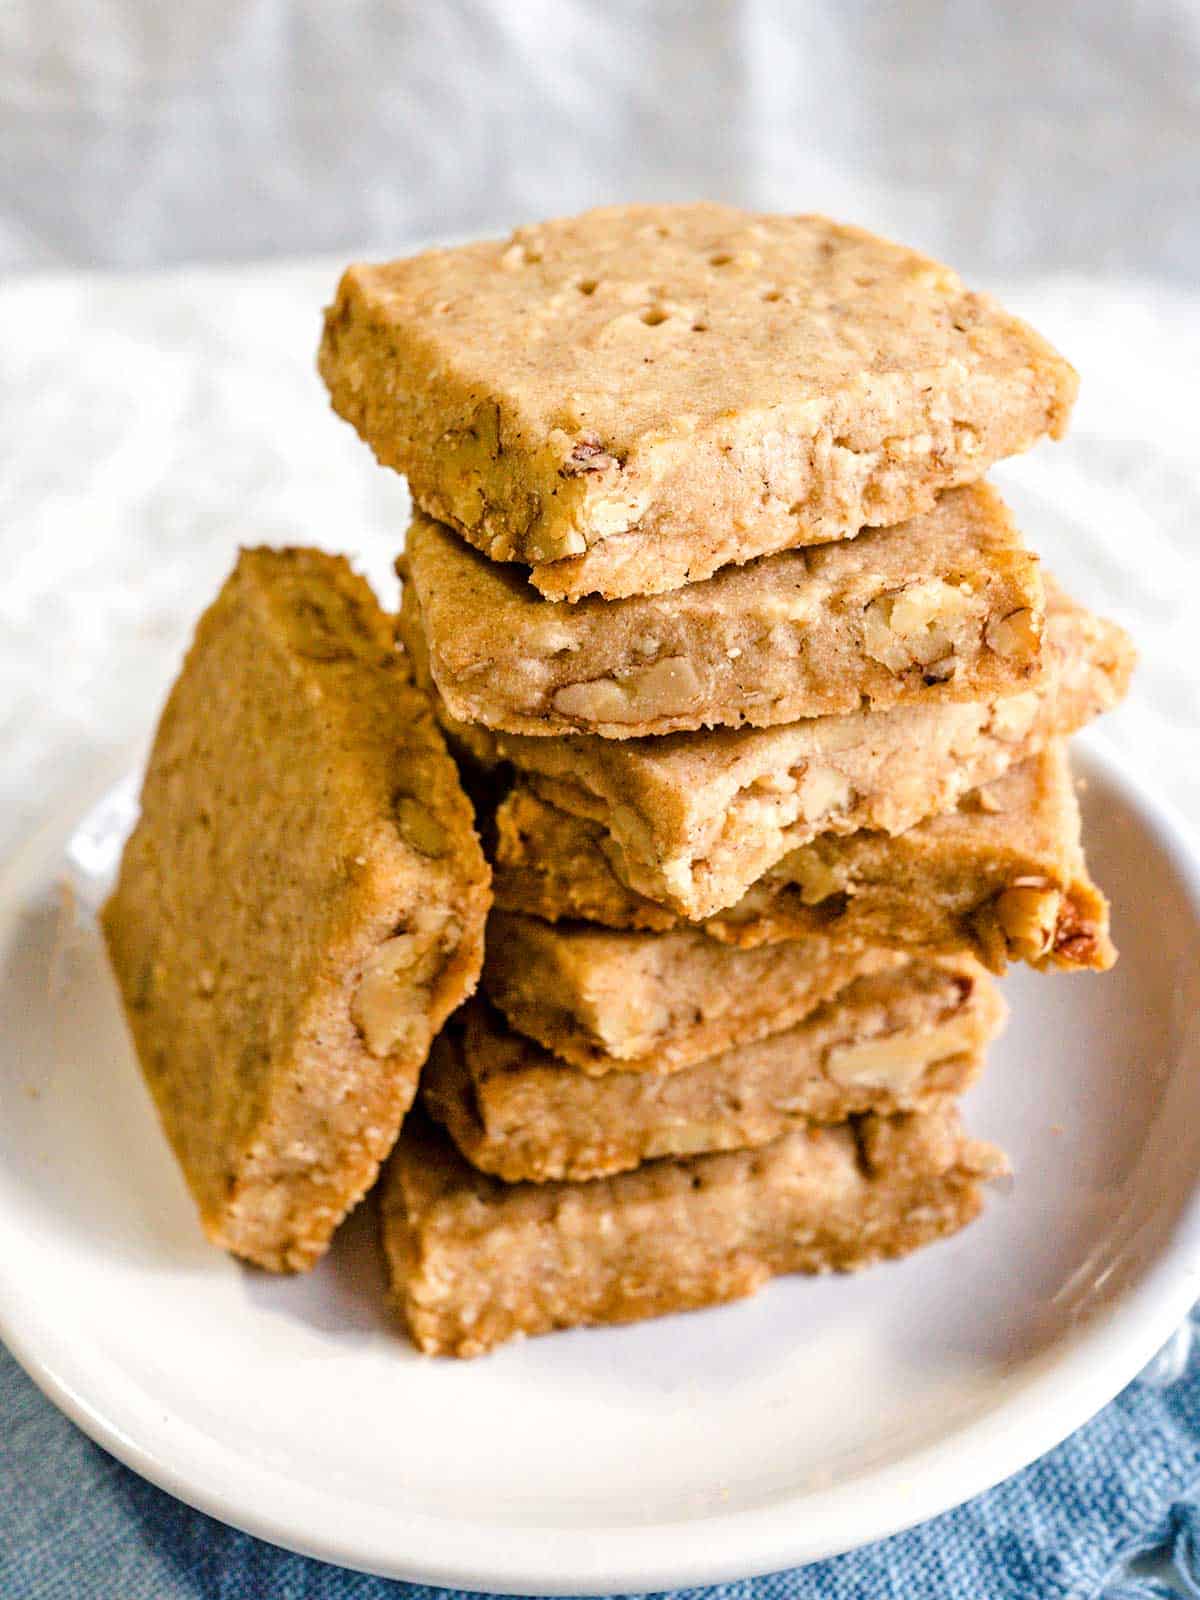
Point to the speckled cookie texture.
(906, 1039)
(628, 400)
(692, 820)
(655, 1002)
(474, 1262)
(948, 607)
(299, 908)
(1003, 876)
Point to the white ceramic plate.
(816, 1417)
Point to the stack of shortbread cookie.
(762, 700)
(775, 698)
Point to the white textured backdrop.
(1004, 134)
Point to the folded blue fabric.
(76, 1525)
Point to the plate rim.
(1060, 1391)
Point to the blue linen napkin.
(76, 1525)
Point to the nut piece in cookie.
(299, 908)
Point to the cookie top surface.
(631, 319)
(646, 393)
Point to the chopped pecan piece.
(587, 455)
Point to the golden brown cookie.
(948, 607)
(655, 1002)
(628, 400)
(1002, 876)
(907, 1039)
(299, 908)
(474, 1262)
(693, 819)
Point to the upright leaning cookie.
(299, 908)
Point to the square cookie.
(628, 400)
(906, 1039)
(1003, 876)
(299, 908)
(692, 820)
(474, 1262)
(656, 1002)
(948, 607)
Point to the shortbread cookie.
(649, 1002)
(693, 819)
(1002, 876)
(948, 607)
(299, 908)
(628, 400)
(474, 1261)
(903, 1040)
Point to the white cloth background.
(152, 421)
(1002, 134)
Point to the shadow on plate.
(345, 1294)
